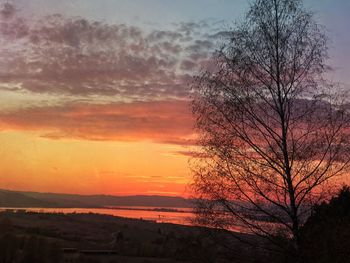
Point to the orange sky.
(95, 97)
(95, 108)
(29, 162)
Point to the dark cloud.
(7, 11)
(193, 154)
(223, 35)
(75, 56)
(159, 35)
(188, 65)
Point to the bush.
(326, 234)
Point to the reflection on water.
(180, 216)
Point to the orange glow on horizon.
(32, 163)
(94, 101)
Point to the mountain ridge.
(11, 198)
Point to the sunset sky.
(94, 94)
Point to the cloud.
(7, 11)
(76, 56)
(193, 154)
(163, 121)
(77, 59)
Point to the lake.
(180, 216)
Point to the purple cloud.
(75, 56)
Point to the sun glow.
(29, 162)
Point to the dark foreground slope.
(36, 237)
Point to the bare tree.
(274, 132)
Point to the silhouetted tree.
(272, 130)
(326, 233)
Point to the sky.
(95, 94)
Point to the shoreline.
(161, 215)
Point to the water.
(180, 216)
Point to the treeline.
(325, 236)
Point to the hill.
(51, 200)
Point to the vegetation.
(273, 132)
(37, 237)
(46, 238)
(326, 233)
(28, 249)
